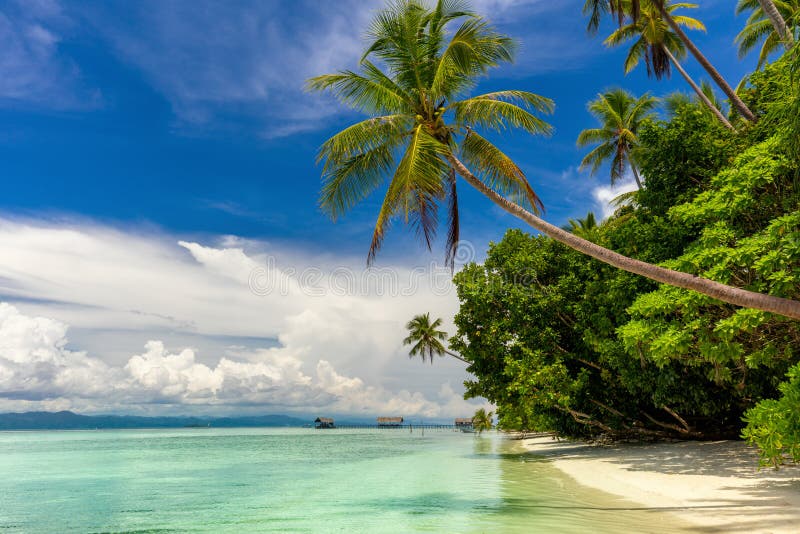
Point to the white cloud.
(36, 366)
(33, 69)
(238, 67)
(218, 63)
(34, 363)
(605, 194)
(119, 291)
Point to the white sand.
(713, 485)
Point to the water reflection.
(533, 495)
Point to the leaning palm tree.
(620, 115)
(774, 15)
(426, 340)
(660, 48)
(482, 420)
(633, 9)
(760, 28)
(427, 73)
(424, 132)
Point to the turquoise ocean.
(296, 480)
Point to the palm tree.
(419, 118)
(761, 26)
(427, 73)
(482, 420)
(586, 227)
(673, 101)
(620, 115)
(770, 9)
(426, 339)
(660, 48)
(622, 9)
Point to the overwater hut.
(390, 421)
(464, 423)
(324, 422)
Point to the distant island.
(66, 420)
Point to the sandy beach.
(713, 485)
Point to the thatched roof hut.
(463, 421)
(324, 422)
(390, 421)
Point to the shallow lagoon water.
(296, 480)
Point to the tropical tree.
(673, 101)
(761, 27)
(660, 48)
(421, 118)
(426, 339)
(633, 9)
(620, 115)
(482, 420)
(770, 9)
(586, 227)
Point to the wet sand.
(715, 486)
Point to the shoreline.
(714, 486)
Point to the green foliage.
(620, 115)
(425, 340)
(426, 59)
(774, 425)
(537, 323)
(680, 156)
(482, 420)
(749, 238)
(651, 34)
(759, 29)
(564, 343)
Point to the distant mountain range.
(72, 421)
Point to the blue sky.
(135, 125)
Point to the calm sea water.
(295, 480)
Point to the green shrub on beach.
(774, 425)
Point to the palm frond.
(369, 91)
(396, 39)
(474, 48)
(362, 137)
(594, 135)
(595, 9)
(498, 171)
(596, 157)
(353, 180)
(357, 159)
(453, 222)
(500, 110)
(415, 186)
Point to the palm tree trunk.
(737, 103)
(456, 356)
(636, 176)
(777, 21)
(717, 113)
(716, 290)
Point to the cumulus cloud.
(322, 333)
(604, 195)
(35, 365)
